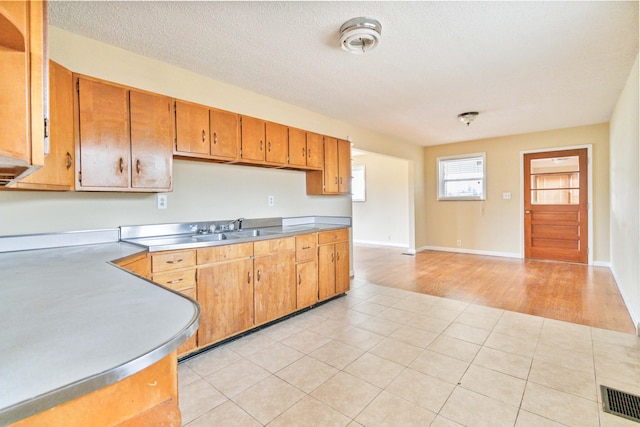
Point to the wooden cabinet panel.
(58, 170)
(344, 167)
(333, 236)
(326, 272)
(177, 280)
(104, 134)
(172, 260)
(138, 264)
(343, 275)
(224, 253)
(192, 128)
(274, 286)
(306, 247)
(253, 138)
(297, 147)
(330, 165)
(266, 247)
(315, 151)
(307, 283)
(225, 295)
(277, 137)
(225, 134)
(192, 343)
(23, 33)
(151, 140)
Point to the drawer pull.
(306, 247)
(175, 261)
(173, 282)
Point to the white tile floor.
(389, 357)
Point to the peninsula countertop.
(73, 322)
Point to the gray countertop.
(71, 322)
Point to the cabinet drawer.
(306, 247)
(177, 280)
(266, 247)
(173, 260)
(333, 236)
(224, 253)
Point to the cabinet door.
(225, 134)
(326, 271)
(275, 286)
(315, 151)
(103, 134)
(277, 137)
(58, 171)
(225, 295)
(297, 147)
(192, 128)
(344, 167)
(253, 136)
(151, 140)
(330, 165)
(307, 283)
(343, 278)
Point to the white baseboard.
(376, 243)
(634, 317)
(471, 251)
(602, 264)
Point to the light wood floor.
(570, 292)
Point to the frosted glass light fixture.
(360, 35)
(468, 117)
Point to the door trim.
(589, 148)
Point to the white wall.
(202, 191)
(383, 218)
(625, 195)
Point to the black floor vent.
(619, 403)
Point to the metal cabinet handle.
(215, 137)
(175, 261)
(527, 212)
(337, 256)
(69, 161)
(261, 145)
(304, 154)
(249, 277)
(258, 275)
(121, 164)
(306, 247)
(269, 149)
(336, 179)
(299, 279)
(332, 256)
(340, 180)
(138, 166)
(204, 135)
(173, 282)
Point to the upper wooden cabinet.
(58, 170)
(335, 178)
(305, 149)
(23, 89)
(124, 138)
(206, 133)
(263, 142)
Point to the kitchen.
(228, 190)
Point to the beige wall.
(625, 195)
(383, 217)
(494, 225)
(201, 190)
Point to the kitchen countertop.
(72, 322)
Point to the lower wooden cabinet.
(224, 291)
(333, 263)
(275, 287)
(306, 270)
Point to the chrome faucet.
(231, 225)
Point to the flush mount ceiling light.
(360, 35)
(468, 117)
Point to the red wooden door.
(555, 204)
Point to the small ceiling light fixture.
(468, 117)
(359, 35)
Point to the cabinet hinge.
(46, 127)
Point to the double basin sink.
(229, 235)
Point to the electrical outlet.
(506, 195)
(271, 201)
(161, 201)
(458, 243)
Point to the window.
(358, 184)
(462, 177)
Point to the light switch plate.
(271, 201)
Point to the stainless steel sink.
(210, 237)
(253, 233)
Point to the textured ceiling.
(525, 66)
